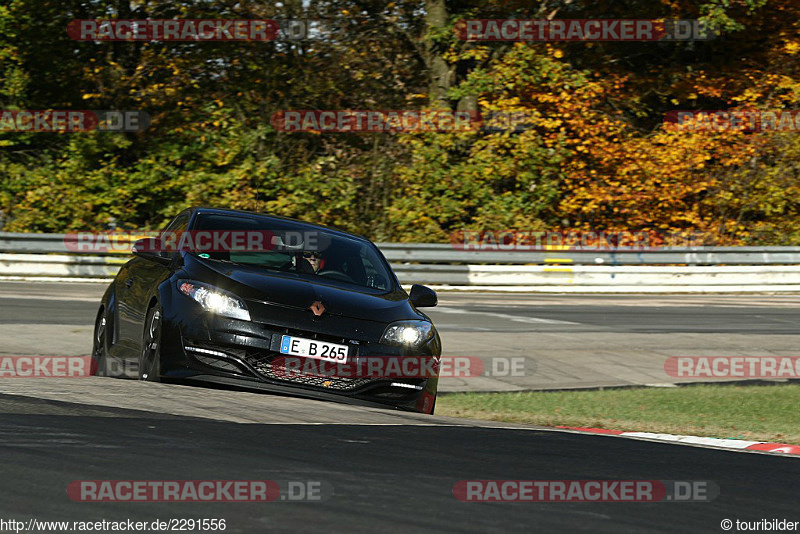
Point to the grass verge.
(751, 412)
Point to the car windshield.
(304, 251)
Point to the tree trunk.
(438, 69)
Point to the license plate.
(312, 348)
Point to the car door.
(136, 285)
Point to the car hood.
(286, 290)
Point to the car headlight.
(214, 299)
(407, 333)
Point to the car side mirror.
(422, 296)
(150, 248)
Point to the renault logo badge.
(317, 308)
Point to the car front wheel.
(150, 360)
(100, 362)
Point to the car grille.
(263, 363)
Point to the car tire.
(99, 356)
(150, 358)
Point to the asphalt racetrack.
(388, 471)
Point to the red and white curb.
(740, 444)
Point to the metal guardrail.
(24, 243)
(425, 253)
(431, 253)
(535, 278)
(668, 270)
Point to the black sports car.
(236, 315)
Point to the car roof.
(308, 225)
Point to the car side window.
(179, 223)
(373, 278)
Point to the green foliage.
(594, 154)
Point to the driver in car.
(309, 261)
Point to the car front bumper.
(200, 346)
